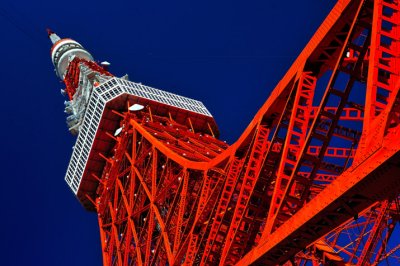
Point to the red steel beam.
(359, 187)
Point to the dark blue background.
(228, 54)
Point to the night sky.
(227, 54)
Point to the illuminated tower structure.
(314, 179)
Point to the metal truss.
(147, 194)
(369, 239)
(313, 180)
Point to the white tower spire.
(53, 36)
(63, 51)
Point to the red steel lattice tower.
(313, 180)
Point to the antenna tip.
(49, 32)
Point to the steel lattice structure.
(313, 180)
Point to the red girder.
(72, 75)
(376, 231)
(305, 173)
(235, 239)
(348, 113)
(294, 142)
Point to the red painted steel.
(364, 241)
(71, 78)
(307, 171)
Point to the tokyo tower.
(313, 180)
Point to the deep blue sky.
(228, 54)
